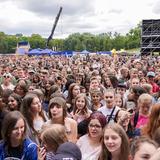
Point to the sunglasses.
(6, 76)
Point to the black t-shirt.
(15, 152)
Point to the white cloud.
(94, 16)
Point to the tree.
(3, 43)
(77, 42)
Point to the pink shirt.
(142, 120)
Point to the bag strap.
(110, 116)
(136, 118)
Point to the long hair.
(9, 123)
(124, 151)
(70, 92)
(85, 109)
(153, 122)
(26, 109)
(18, 99)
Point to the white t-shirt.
(88, 151)
(107, 112)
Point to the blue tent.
(55, 53)
(46, 51)
(85, 52)
(34, 52)
(64, 53)
(67, 53)
(104, 52)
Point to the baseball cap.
(150, 74)
(68, 151)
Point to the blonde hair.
(145, 97)
(110, 90)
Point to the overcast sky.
(94, 16)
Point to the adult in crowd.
(7, 82)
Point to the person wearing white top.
(109, 110)
(90, 144)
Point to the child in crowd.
(115, 143)
(96, 97)
(110, 109)
(80, 110)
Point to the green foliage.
(77, 42)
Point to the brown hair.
(85, 109)
(136, 143)
(70, 92)
(9, 123)
(26, 109)
(124, 151)
(60, 101)
(18, 99)
(154, 121)
(54, 136)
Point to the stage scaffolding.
(150, 37)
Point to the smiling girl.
(80, 110)
(15, 144)
(14, 102)
(115, 144)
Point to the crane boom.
(54, 27)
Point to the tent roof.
(85, 52)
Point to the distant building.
(22, 48)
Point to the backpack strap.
(110, 116)
(136, 118)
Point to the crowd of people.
(93, 107)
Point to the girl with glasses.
(90, 143)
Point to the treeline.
(76, 41)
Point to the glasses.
(94, 126)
